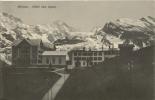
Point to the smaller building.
(54, 58)
(27, 52)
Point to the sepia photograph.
(77, 50)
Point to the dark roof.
(16, 42)
(34, 42)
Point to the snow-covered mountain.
(138, 32)
(12, 28)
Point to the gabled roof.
(16, 42)
(56, 53)
(33, 42)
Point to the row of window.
(53, 60)
(87, 58)
(91, 63)
(34, 61)
(26, 51)
(95, 63)
(111, 52)
(87, 53)
(96, 53)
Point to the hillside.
(28, 84)
(113, 80)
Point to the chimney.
(102, 47)
(89, 49)
(84, 48)
(109, 47)
(113, 46)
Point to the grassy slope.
(112, 81)
(30, 86)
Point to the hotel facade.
(88, 58)
(31, 52)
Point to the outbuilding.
(54, 58)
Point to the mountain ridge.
(138, 32)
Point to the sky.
(82, 15)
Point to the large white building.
(88, 58)
(54, 58)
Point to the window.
(91, 58)
(117, 52)
(33, 56)
(99, 58)
(34, 61)
(40, 57)
(95, 58)
(75, 53)
(69, 62)
(83, 58)
(26, 50)
(34, 49)
(79, 58)
(95, 63)
(95, 53)
(60, 61)
(39, 61)
(84, 63)
(75, 58)
(17, 52)
(111, 52)
(100, 53)
(106, 53)
(84, 54)
(53, 60)
(79, 53)
(90, 54)
(99, 62)
(47, 61)
(91, 63)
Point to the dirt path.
(51, 94)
